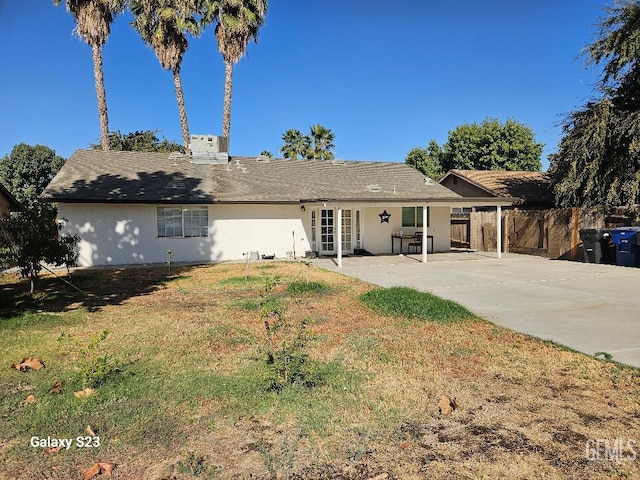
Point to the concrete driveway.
(590, 308)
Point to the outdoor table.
(409, 237)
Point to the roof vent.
(209, 149)
(263, 159)
(338, 161)
(374, 188)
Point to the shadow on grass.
(102, 287)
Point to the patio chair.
(416, 243)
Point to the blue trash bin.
(627, 248)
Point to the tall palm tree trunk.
(96, 53)
(226, 115)
(182, 110)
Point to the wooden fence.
(548, 233)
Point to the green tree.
(163, 24)
(32, 236)
(321, 142)
(295, 144)
(492, 145)
(618, 41)
(28, 169)
(598, 159)
(317, 145)
(266, 153)
(427, 160)
(236, 23)
(93, 24)
(140, 141)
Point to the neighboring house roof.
(135, 177)
(523, 187)
(13, 203)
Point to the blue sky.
(384, 75)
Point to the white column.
(425, 242)
(499, 230)
(339, 229)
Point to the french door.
(328, 230)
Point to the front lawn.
(181, 373)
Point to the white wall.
(377, 235)
(126, 234)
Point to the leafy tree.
(93, 24)
(237, 23)
(427, 160)
(492, 145)
(163, 25)
(317, 145)
(618, 41)
(140, 141)
(28, 169)
(32, 235)
(295, 144)
(266, 153)
(321, 142)
(598, 159)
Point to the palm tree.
(237, 22)
(163, 24)
(322, 142)
(93, 24)
(618, 42)
(295, 144)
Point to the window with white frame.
(182, 222)
(412, 217)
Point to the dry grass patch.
(189, 399)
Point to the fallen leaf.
(87, 392)
(98, 468)
(29, 363)
(29, 399)
(57, 388)
(446, 405)
(90, 431)
(50, 450)
(107, 468)
(92, 472)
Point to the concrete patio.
(588, 307)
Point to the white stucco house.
(131, 207)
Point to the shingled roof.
(135, 177)
(523, 187)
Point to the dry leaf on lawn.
(90, 431)
(107, 468)
(29, 399)
(92, 472)
(50, 450)
(99, 468)
(446, 405)
(29, 363)
(87, 392)
(57, 388)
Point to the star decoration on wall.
(384, 217)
